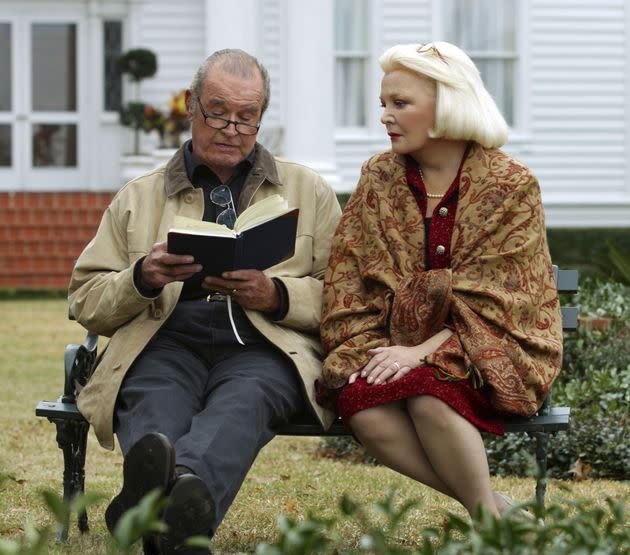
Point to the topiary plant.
(139, 63)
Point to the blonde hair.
(464, 109)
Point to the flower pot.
(595, 323)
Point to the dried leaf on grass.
(580, 470)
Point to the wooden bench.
(72, 428)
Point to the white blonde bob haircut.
(464, 109)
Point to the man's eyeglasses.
(221, 123)
(222, 196)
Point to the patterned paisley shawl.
(498, 296)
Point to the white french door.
(40, 103)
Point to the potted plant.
(176, 121)
(139, 64)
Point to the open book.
(263, 235)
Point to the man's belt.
(215, 296)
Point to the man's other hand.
(252, 289)
(160, 267)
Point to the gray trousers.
(217, 401)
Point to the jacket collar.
(263, 168)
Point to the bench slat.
(558, 418)
(569, 318)
(567, 281)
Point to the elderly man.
(192, 406)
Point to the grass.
(288, 476)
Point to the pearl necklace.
(429, 195)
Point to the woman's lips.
(393, 135)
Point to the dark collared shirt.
(202, 176)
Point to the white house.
(558, 69)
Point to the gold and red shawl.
(498, 296)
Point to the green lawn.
(287, 477)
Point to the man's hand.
(159, 267)
(250, 288)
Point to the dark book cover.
(257, 248)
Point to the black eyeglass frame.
(248, 126)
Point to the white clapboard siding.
(273, 58)
(405, 21)
(175, 31)
(352, 153)
(578, 93)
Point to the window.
(54, 67)
(351, 57)
(6, 102)
(486, 31)
(112, 81)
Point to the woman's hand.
(391, 363)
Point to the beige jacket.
(104, 299)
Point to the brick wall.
(41, 235)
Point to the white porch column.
(309, 134)
(233, 24)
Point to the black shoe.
(149, 545)
(190, 512)
(149, 464)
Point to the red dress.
(460, 395)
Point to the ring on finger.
(396, 365)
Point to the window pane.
(350, 92)
(481, 25)
(498, 76)
(351, 44)
(5, 145)
(5, 67)
(486, 30)
(112, 48)
(350, 25)
(54, 145)
(54, 67)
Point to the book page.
(183, 224)
(262, 211)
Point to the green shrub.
(595, 383)
(586, 349)
(570, 527)
(600, 298)
(586, 249)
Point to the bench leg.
(72, 440)
(542, 442)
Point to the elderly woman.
(440, 310)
